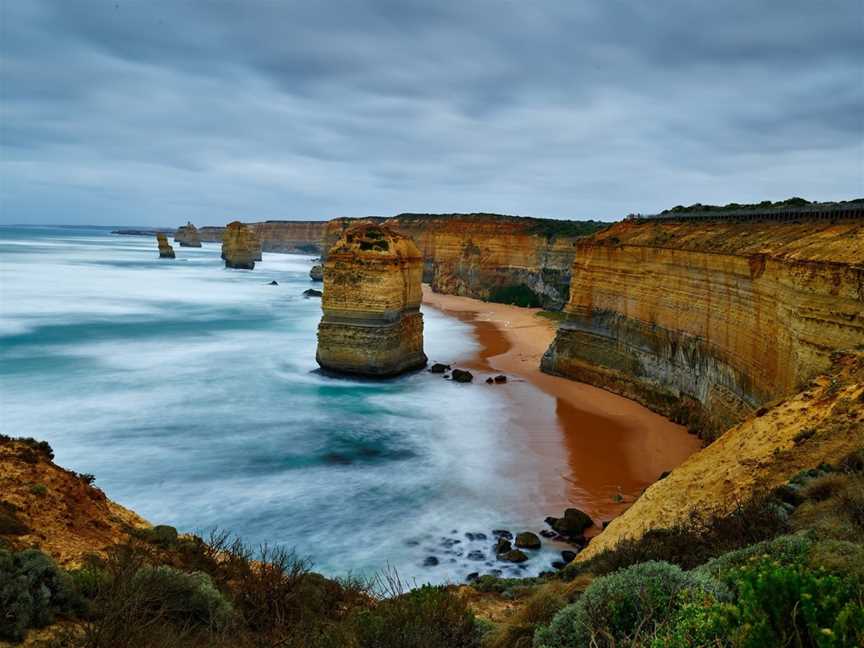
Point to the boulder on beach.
(514, 556)
(165, 249)
(500, 378)
(461, 376)
(489, 380)
(439, 368)
(527, 540)
(573, 523)
(311, 292)
(502, 546)
(317, 273)
(568, 556)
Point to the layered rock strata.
(165, 249)
(302, 237)
(372, 323)
(240, 248)
(187, 236)
(710, 320)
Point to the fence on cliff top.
(822, 211)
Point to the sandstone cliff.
(187, 236)
(709, 320)
(304, 237)
(372, 323)
(822, 424)
(165, 249)
(54, 509)
(240, 247)
(492, 257)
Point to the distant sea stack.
(187, 236)
(240, 247)
(165, 249)
(372, 325)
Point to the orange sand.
(599, 447)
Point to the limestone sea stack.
(187, 236)
(165, 249)
(372, 325)
(240, 247)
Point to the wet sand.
(599, 450)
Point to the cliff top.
(371, 240)
(840, 241)
(548, 227)
(57, 510)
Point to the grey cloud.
(156, 112)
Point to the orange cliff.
(707, 321)
(303, 237)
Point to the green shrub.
(626, 606)
(427, 617)
(186, 599)
(40, 490)
(517, 295)
(32, 590)
(776, 604)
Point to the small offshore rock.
(273, 283)
(317, 273)
(165, 249)
(502, 533)
(439, 368)
(430, 561)
(557, 564)
(572, 524)
(476, 554)
(473, 576)
(489, 381)
(568, 556)
(500, 378)
(514, 556)
(547, 533)
(462, 376)
(502, 546)
(311, 292)
(528, 540)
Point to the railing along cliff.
(818, 211)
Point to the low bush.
(427, 617)
(539, 609)
(627, 606)
(833, 506)
(32, 591)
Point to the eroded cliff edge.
(707, 321)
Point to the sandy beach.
(600, 448)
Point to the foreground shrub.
(775, 604)
(627, 606)
(32, 590)
(539, 609)
(428, 617)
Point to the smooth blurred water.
(192, 393)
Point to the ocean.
(192, 393)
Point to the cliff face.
(165, 249)
(711, 319)
(240, 247)
(303, 237)
(372, 323)
(187, 236)
(489, 256)
(824, 423)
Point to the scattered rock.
(473, 576)
(502, 546)
(311, 292)
(430, 561)
(500, 378)
(502, 533)
(317, 273)
(514, 556)
(462, 376)
(573, 523)
(664, 474)
(527, 540)
(546, 533)
(557, 564)
(568, 556)
(273, 283)
(476, 554)
(489, 381)
(439, 368)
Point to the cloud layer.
(157, 112)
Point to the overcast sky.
(152, 112)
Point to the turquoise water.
(192, 393)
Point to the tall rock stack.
(187, 236)
(165, 249)
(240, 247)
(372, 324)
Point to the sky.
(154, 112)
